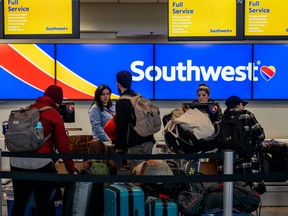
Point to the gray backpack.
(25, 132)
(147, 115)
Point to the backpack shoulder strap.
(133, 99)
(45, 108)
(41, 110)
(125, 96)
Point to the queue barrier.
(228, 177)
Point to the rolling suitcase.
(123, 200)
(161, 207)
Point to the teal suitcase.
(161, 207)
(124, 200)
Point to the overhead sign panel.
(41, 19)
(1, 19)
(205, 19)
(266, 19)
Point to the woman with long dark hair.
(101, 110)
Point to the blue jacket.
(98, 120)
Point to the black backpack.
(235, 137)
(245, 199)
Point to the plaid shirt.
(249, 122)
(252, 126)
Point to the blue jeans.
(144, 148)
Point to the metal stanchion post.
(228, 186)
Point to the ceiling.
(124, 1)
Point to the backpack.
(152, 167)
(25, 132)
(235, 137)
(245, 200)
(158, 168)
(189, 203)
(181, 139)
(99, 167)
(168, 118)
(147, 114)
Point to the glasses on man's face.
(202, 95)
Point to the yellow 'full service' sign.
(37, 17)
(266, 18)
(208, 18)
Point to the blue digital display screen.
(226, 68)
(98, 64)
(26, 70)
(160, 71)
(271, 71)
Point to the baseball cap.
(233, 101)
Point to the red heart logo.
(267, 72)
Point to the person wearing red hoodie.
(43, 190)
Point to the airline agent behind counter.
(203, 96)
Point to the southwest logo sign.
(70, 108)
(213, 109)
(267, 72)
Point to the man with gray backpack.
(137, 120)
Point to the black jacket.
(123, 117)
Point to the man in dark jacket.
(128, 140)
(236, 105)
(43, 190)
